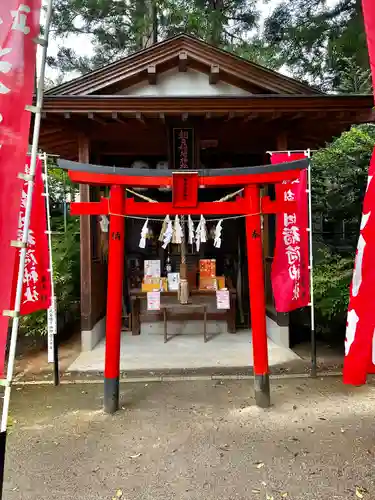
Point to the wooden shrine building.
(232, 112)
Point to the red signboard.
(19, 26)
(36, 293)
(360, 331)
(290, 267)
(185, 189)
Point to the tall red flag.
(19, 26)
(36, 292)
(290, 267)
(360, 330)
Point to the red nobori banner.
(290, 267)
(19, 26)
(360, 329)
(36, 292)
(368, 8)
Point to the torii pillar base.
(262, 390)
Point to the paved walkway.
(193, 441)
(186, 352)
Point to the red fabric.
(19, 25)
(36, 294)
(368, 7)
(290, 267)
(360, 339)
(360, 330)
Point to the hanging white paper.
(168, 232)
(144, 233)
(177, 231)
(218, 230)
(104, 223)
(201, 233)
(163, 229)
(191, 230)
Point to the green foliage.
(322, 43)
(339, 176)
(116, 29)
(332, 278)
(318, 42)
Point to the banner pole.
(37, 110)
(53, 353)
(312, 309)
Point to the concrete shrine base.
(184, 350)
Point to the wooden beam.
(272, 117)
(117, 118)
(250, 117)
(86, 242)
(182, 62)
(214, 74)
(297, 116)
(174, 105)
(151, 74)
(96, 118)
(140, 118)
(230, 116)
(282, 141)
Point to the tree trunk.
(154, 21)
(217, 21)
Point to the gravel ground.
(193, 440)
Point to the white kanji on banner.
(351, 329)
(20, 19)
(289, 195)
(291, 235)
(290, 219)
(5, 68)
(293, 254)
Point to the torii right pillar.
(257, 296)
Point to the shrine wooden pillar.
(257, 296)
(85, 243)
(114, 299)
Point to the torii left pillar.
(114, 299)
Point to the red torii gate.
(184, 186)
